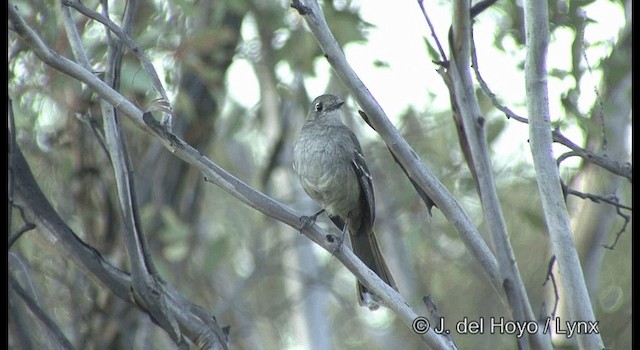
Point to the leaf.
(431, 50)
(347, 26)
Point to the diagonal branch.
(415, 169)
(145, 279)
(443, 55)
(603, 161)
(54, 331)
(142, 265)
(122, 35)
(194, 322)
(212, 173)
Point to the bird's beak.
(338, 104)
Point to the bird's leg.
(345, 229)
(309, 220)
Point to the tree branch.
(415, 169)
(194, 322)
(75, 42)
(443, 55)
(474, 143)
(54, 331)
(212, 173)
(553, 205)
(122, 35)
(145, 279)
(603, 161)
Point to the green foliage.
(300, 49)
(349, 25)
(432, 50)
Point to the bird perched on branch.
(328, 160)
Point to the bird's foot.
(308, 221)
(340, 239)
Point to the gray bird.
(328, 160)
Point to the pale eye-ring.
(318, 106)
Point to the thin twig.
(487, 91)
(146, 282)
(75, 42)
(612, 200)
(95, 128)
(415, 167)
(194, 321)
(122, 35)
(603, 161)
(627, 219)
(600, 113)
(27, 225)
(433, 31)
(212, 171)
(22, 229)
(551, 277)
(302, 9)
(40, 315)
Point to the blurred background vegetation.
(273, 287)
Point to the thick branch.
(615, 167)
(122, 35)
(193, 321)
(415, 168)
(212, 173)
(54, 331)
(553, 205)
(473, 137)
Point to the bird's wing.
(368, 209)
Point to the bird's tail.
(365, 246)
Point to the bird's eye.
(318, 107)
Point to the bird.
(328, 159)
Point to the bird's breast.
(326, 174)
